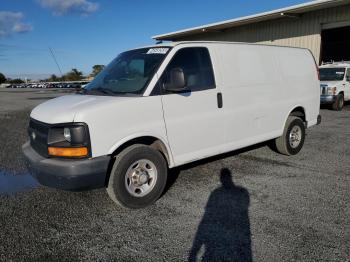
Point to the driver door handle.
(219, 100)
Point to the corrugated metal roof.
(286, 12)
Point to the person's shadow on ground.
(224, 231)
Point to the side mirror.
(177, 81)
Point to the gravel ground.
(22, 99)
(252, 204)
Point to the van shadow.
(224, 231)
(175, 172)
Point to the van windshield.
(332, 74)
(129, 73)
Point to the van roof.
(173, 44)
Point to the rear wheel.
(138, 177)
(292, 140)
(338, 103)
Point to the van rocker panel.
(67, 174)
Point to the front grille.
(38, 134)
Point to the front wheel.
(293, 137)
(138, 177)
(338, 103)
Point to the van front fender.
(139, 137)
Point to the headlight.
(331, 90)
(69, 140)
(66, 134)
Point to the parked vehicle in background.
(163, 106)
(75, 85)
(335, 84)
(5, 85)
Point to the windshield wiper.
(104, 90)
(125, 93)
(99, 90)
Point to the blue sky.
(87, 32)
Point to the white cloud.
(61, 7)
(11, 22)
(22, 28)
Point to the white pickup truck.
(162, 106)
(335, 84)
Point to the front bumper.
(67, 174)
(328, 99)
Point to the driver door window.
(197, 68)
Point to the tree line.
(73, 75)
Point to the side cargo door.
(194, 118)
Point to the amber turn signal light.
(68, 151)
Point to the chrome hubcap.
(141, 177)
(295, 136)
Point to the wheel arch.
(144, 139)
(155, 142)
(298, 111)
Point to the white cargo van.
(162, 106)
(335, 84)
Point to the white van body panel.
(260, 86)
(196, 127)
(117, 121)
(61, 109)
(112, 121)
(263, 85)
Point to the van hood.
(63, 109)
(331, 83)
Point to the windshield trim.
(144, 89)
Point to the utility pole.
(54, 58)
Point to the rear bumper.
(328, 99)
(67, 174)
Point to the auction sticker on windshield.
(158, 51)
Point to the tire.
(292, 140)
(138, 177)
(338, 103)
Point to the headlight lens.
(66, 134)
(70, 140)
(331, 90)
